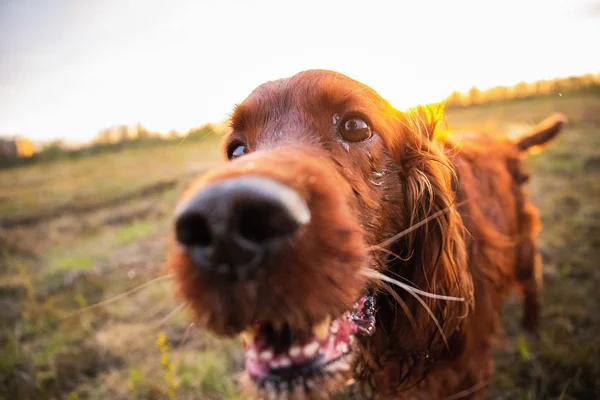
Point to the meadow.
(76, 232)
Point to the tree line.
(119, 137)
(589, 83)
(112, 139)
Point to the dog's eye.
(236, 150)
(355, 130)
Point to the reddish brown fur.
(476, 251)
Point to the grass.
(97, 228)
(42, 188)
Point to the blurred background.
(108, 108)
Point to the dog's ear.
(428, 120)
(542, 133)
(438, 262)
(433, 254)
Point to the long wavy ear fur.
(435, 252)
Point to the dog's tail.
(542, 132)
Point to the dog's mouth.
(279, 357)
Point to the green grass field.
(76, 232)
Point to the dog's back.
(502, 226)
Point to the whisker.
(398, 276)
(183, 140)
(118, 297)
(170, 315)
(369, 273)
(413, 227)
(178, 357)
(156, 308)
(391, 253)
(205, 135)
(468, 391)
(402, 304)
(187, 333)
(409, 289)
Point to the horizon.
(69, 69)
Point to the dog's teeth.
(321, 330)
(310, 350)
(335, 326)
(295, 351)
(251, 354)
(285, 362)
(342, 366)
(342, 347)
(266, 355)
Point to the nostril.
(262, 221)
(193, 230)
(232, 226)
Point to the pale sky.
(71, 67)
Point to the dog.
(355, 247)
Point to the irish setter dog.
(354, 248)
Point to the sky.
(69, 68)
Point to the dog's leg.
(531, 292)
(529, 269)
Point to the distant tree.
(141, 132)
(53, 150)
(521, 90)
(588, 80)
(201, 132)
(575, 83)
(455, 99)
(501, 93)
(475, 95)
(541, 87)
(123, 134)
(104, 136)
(553, 86)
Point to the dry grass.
(69, 260)
(40, 188)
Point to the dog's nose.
(231, 226)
